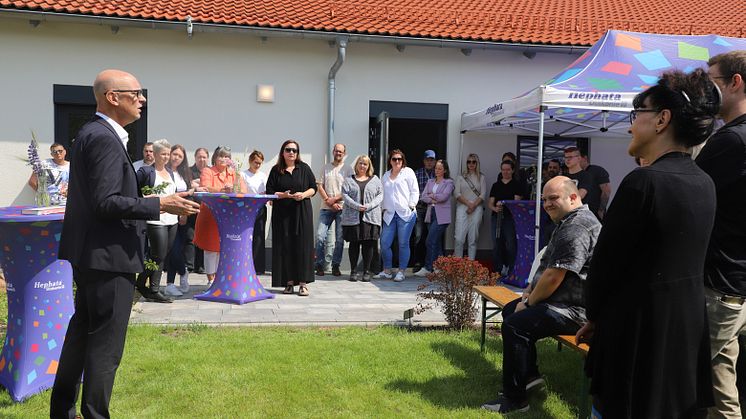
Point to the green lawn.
(315, 372)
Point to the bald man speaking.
(103, 239)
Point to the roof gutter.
(35, 17)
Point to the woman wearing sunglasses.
(400, 196)
(650, 352)
(292, 220)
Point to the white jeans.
(467, 225)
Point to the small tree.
(450, 286)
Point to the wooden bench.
(500, 296)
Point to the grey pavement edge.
(334, 301)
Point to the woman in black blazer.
(650, 352)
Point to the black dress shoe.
(319, 271)
(157, 297)
(335, 270)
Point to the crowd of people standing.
(658, 290)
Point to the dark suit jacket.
(104, 225)
(146, 176)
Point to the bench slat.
(500, 296)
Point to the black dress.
(650, 353)
(292, 227)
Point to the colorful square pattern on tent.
(608, 65)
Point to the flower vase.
(42, 194)
(237, 183)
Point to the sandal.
(303, 291)
(288, 289)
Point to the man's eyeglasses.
(396, 159)
(471, 162)
(291, 150)
(137, 92)
(58, 151)
(633, 113)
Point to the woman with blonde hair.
(470, 191)
(361, 215)
(162, 232)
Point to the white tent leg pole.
(539, 162)
(461, 154)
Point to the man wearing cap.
(425, 173)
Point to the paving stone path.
(333, 301)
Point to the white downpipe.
(341, 51)
(539, 162)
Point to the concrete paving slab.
(334, 301)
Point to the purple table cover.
(524, 216)
(236, 280)
(40, 300)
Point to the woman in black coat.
(292, 220)
(649, 354)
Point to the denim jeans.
(520, 331)
(504, 248)
(326, 218)
(402, 230)
(434, 240)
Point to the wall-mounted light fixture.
(265, 93)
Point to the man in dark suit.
(103, 238)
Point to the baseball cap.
(429, 154)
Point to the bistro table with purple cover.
(40, 300)
(235, 280)
(524, 216)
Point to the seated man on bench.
(553, 304)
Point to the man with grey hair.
(723, 158)
(103, 239)
(553, 304)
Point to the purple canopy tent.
(594, 94)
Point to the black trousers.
(257, 243)
(354, 252)
(195, 257)
(93, 344)
(160, 238)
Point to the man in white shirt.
(57, 171)
(330, 183)
(148, 157)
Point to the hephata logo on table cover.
(234, 237)
(49, 285)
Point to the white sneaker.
(399, 276)
(422, 272)
(184, 283)
(172, 291)
(383, 275)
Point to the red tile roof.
(558, 22)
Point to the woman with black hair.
(650, 354)
(293, 182)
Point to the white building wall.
(202, 92)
